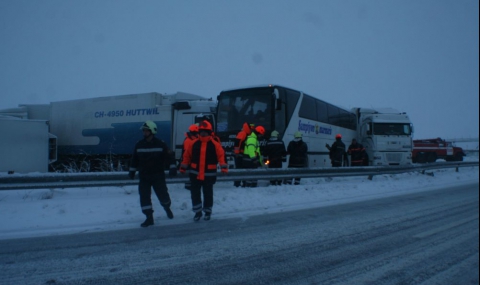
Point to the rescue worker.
(149, 158)
(275, 154)
(202, 158)
(297, 149)
(190, 137)
(201, 118)
(338, 155)
(238, 149)
(208, 119)
(252, 155)
(357, 153)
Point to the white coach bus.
(287, 111)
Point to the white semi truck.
(99, 134)
(386, 134)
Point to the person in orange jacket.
(201, 158)
(190, 137)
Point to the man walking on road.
(201, 160)
(149, 158)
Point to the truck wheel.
(432, 157)
(421, 157)
(458, 157)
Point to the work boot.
(197, 216)
(169, 213)
(148, 222)
(207, 216)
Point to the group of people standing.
(339, 155)
(202, 152)
(249, 156)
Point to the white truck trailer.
(25, 145)
(106, 129)
(99, 134)
(386, 134)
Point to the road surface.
(426, 238)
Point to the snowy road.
(424, 238)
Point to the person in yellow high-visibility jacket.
(251, 153)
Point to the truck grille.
(394, 157)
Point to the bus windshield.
(388, 129)
(246, 105)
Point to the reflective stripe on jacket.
(151, 157)
(357, 153)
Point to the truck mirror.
(278, 104)
(368, 128)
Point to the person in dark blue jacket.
(275, 154)
(297, 149)
(357, 154)
(149, 158)
(338, 155)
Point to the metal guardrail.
(102, 179)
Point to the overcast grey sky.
(419, 56)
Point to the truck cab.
(386, 135)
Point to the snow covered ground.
(32, 213)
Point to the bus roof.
(258, 86)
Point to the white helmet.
(149, 125)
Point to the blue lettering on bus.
(327, 131)
(310, 128)
(306, 128)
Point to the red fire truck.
(429, 150)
